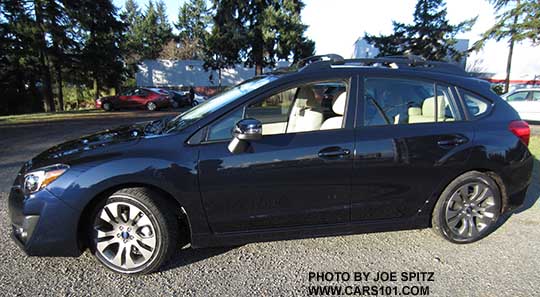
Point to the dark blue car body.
(283, 189)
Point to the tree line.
(51, 50)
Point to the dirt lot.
(504, 264)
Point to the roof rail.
(410, 62)
(328, 57)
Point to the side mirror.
(243, 132)
(248, 129)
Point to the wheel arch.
(84, 218)
(430, 206)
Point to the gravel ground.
(505, 263)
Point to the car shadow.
(190, 255)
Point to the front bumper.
(42, 224)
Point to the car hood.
(86, 145)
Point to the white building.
(187, 73)
(362, 49)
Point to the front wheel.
(468, 209)
(134, 231)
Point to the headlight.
(40, 178)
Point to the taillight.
(521, 130)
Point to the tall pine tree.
(268, 30)
(430, 36)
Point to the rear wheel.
(151, 106)
(468, 208)
(107, 106)
(134, 231)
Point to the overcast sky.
(336, 25)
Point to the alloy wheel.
(471, 210)
(151, 106)
(107, 106)
(125, 237)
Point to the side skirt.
(239, 238)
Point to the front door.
(412, 140)
(298, 174)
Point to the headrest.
(339, 104)
(307, 94)
(428, 107)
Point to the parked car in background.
(181, 98)
(270, 159)
(526, 102)
(148, 98)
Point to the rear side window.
(403, 101)
(475, 105)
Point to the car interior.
(311, 107)
(393, 102)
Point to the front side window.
(401, 101)
(519, 96)
(217, 102)
(309, 107)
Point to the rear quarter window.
(475, 105)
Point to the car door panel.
(398, 168)
(282, 182)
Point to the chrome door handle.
(334, 152)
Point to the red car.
(149, 98)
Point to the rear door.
(412, 139)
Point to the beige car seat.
(339, 108)
(426, 114)
(305, 115)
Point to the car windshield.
(198, 112)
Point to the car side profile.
(148, 98)
(335, 147)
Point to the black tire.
(107, 106)
(469, 216)
(164, 222)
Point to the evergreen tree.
(20, 66)
(518, 20)
(266, 30)
(101, 34)
(430, 36)
(226, 39)
(132, 47)
(155, 30)
(193, 22)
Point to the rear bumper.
(43, 225)
(517, 179)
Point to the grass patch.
(534, 146)
(49, 116)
